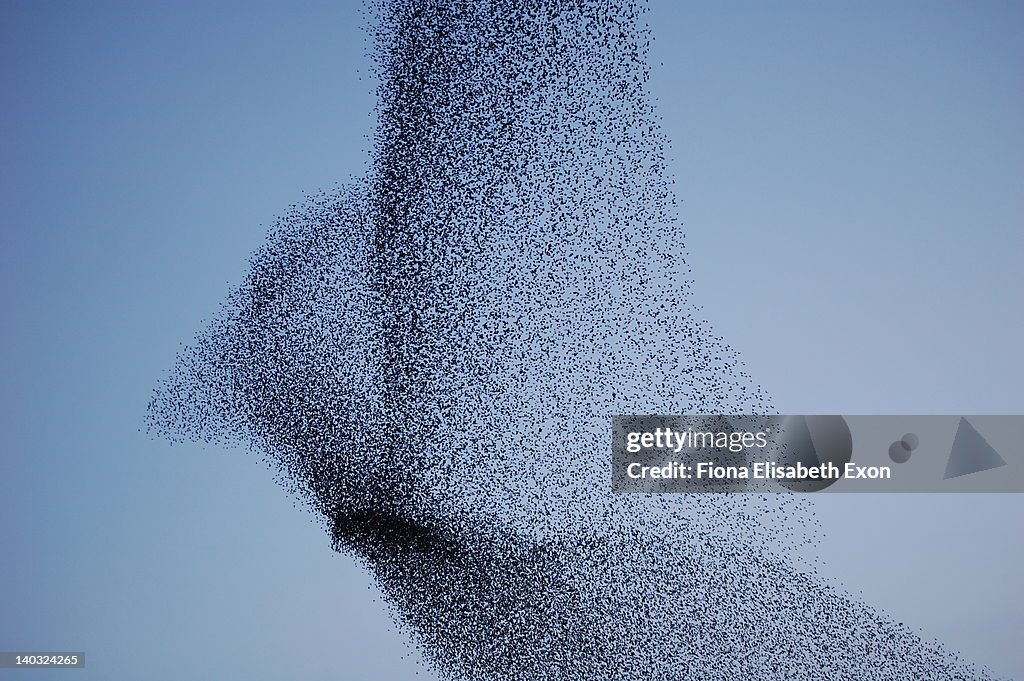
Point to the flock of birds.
(431, 356)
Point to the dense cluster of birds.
(431, 357)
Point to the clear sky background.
(852, 178)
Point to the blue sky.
(851, 178)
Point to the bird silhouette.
(431, 356)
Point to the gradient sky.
(852, 178)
